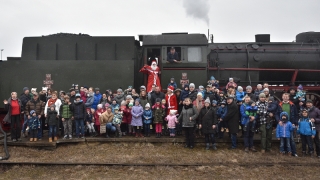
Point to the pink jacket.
(172, 120)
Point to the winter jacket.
(172, 120)
(155, 95)
(314, 113)
(83, 96)
(79, 110)
(117, 118)
(244, 115)
(33, 123)
(221, 112)
(184, 94)
(285, 130)
(24, 100)
(208, 118)
(174, 85)
(89, 118)
(171, 102)
(193, 95)
(65, 111)
(186, 113)
(57, 106)
(127, 116)
(106, 118)
(262, 111)
(144, 101)
(306, 127)
(136, 112)
(96, 100)
(147, 116)
(239, 96)
(38, 106)
(294, 116)
(7, 107)
(89, 101)
(114, 106)
(51, 118)
(97, 115)
(119, 98)
(232, 117)
(158, 113)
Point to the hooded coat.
(136, 112)
(184, 94)
(89, 101)
(285, 130)
(96, 100)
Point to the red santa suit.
(153, 75)
(171, 100)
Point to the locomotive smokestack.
(197, 9)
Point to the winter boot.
(289, 153)
(50, 139)
(214, 147)
(246, 150)
(304, 154)
(35, 139)
(207, 146)
(253, 149)
(140, 135)
(31, 139)
(107, 134)
(55, 138)
(120, 134)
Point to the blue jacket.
(96, 100)
(244, 115)
(222, 111)
(33, 123)
(89, 101)
(147, 114)
(239, 95)
(113, 106)
(285, 130)
(305, 127)
(174, 84)
(184, 94)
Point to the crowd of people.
(203, 112)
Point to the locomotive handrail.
(263, 69)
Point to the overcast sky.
(228, 20)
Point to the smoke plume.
(198, 9)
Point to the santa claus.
(153, 72)
(171, 100)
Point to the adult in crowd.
(248, 134)
(143, 98)
(38, 106)
(192, 92)
(120, 96)
(287, 106)
(106, 120)
(171, 100)
(89, 100)
(188, 118)
(24, 97)
(14, 106)
(53, 100)
(153, 90)
(258, 91)
(79, 113)
(314, 115)
(232, 119)
(72, 95)
(157, 94)
(249, 93)
(97, 98)
(173, 56)
(43, 94)
(198, 104)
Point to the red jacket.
(171, 102)
(127, 116)
(97, 115)
(83, 96)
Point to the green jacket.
(65, 111)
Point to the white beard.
(154, 67)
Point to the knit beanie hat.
(129, 87)
(107, 105)
(99, 105)
(172, 79)
(119, 90)
(199, 94)
(201, 87)
(131, 104)
(147, 105)
(96, 89)
(32, 111)
(249, 87)
(143, 87)
(214, 102)
(300, 87)
(207, 101)
(240, 88)
(262, 95)
(129, 97)
(266, 89)
(158, 100)
(25, 88)
(192, 85)
(138, 100)
(212, 78)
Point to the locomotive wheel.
(314, 97)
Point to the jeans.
(25, 123)
(293, 145)
(285, 144)
(15, 127)
(317, 142)
(189, 136)
(251, 128)
(39, 134)
(110, 127)
(266, 137)
(146, 128)
(248, 136)
(172, 131)
(79, 126)
(307, 140)
(52, 131)
(234, 140)
(209, 137)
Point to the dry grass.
(163, 153)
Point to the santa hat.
(171, 88)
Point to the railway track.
(3, 163)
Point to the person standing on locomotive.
(173, 56)
(13, 106)
(153, 72)
(24, 97)
(314, 115)
(287, 106)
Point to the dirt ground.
(163, 153)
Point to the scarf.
(51, 101)
(188, 106)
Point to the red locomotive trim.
(203, 68)
(262, 69)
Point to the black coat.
(193, 95)
(155, 95)
(52, 119)
(208, 117)
(79, 110)
(232, 117)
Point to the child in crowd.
(222, 97)
(134, 95)
(172, 83)
(124, 123)
(97, 115)
(201, 90)
(114, 105)
(213, 82)
(258, 91)
(34, 125)
(159, 113)
(283, 133)
(251, 111)
(66, 115)
(131, 130)
(136, 121)
(240, 94)
(307, 131)
(165, 123)
(214, 105)
(231, 83)
(172, 120)
(300, 94)
(147, 120)
(185, 93)
(116, 121)
(90, 121)
(301, 106)
(52, 121)
(220, 114)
